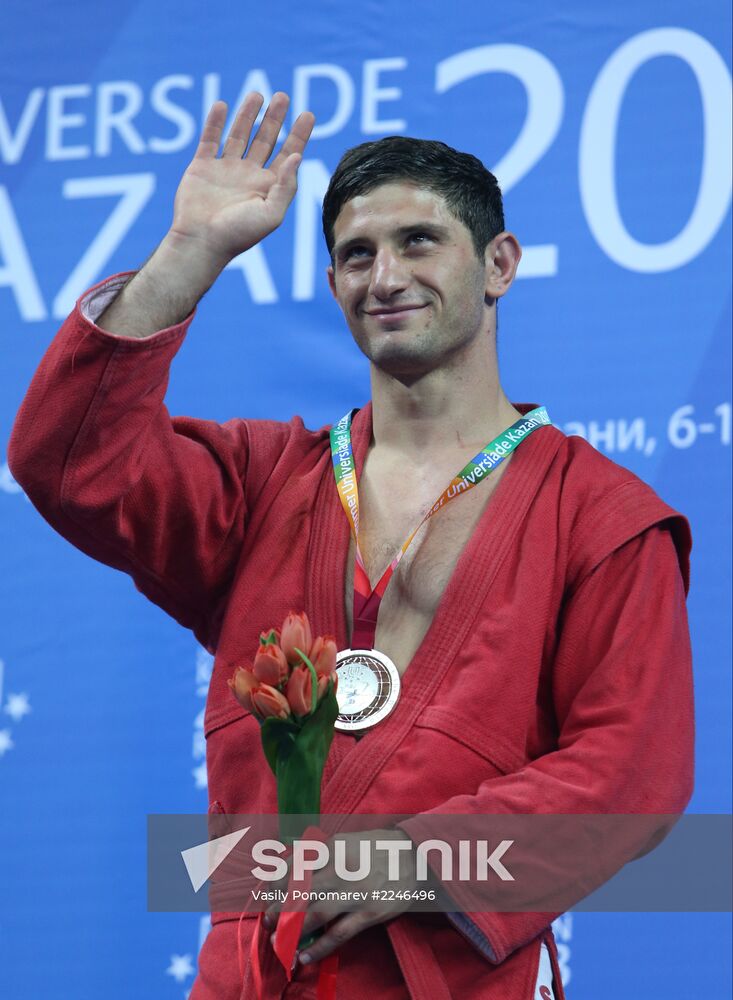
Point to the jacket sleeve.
(622, 691)
(97, 453)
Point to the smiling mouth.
(399, 312)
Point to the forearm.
(165, 290)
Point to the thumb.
(283, 190)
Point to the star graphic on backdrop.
(6, 742)
(180, 967)
(17, 706)
(200, 776)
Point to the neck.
(450, 408)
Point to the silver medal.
(368, 688)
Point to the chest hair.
(391, 505)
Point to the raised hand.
(226, 204)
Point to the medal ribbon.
(366, 598)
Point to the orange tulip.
(299, 690)
(323, 655)
(270, 666)
(296, 632)
(243, 683)
(262, 700)
(323, 684)
(268, 701)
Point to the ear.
(502, 259)
(331, 280)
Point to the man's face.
(407, 278)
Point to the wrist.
(164, 292)
(190, 261)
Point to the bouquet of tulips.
(291, 690)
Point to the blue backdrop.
(610, 131)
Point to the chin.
(401, 352)
(404, 363)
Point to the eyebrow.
(402, 231)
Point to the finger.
(297, 139)
(317, 918)
(266, 137)
(208, 145)
(341, 931)
(241, 129)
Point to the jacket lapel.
(353, 764)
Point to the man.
(537, 622)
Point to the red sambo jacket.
(555, 677)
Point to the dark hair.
(471, 192)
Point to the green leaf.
(314, 678)
(278, 739)
(299, 752)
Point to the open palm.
(229, 203)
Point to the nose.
(389, 274)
